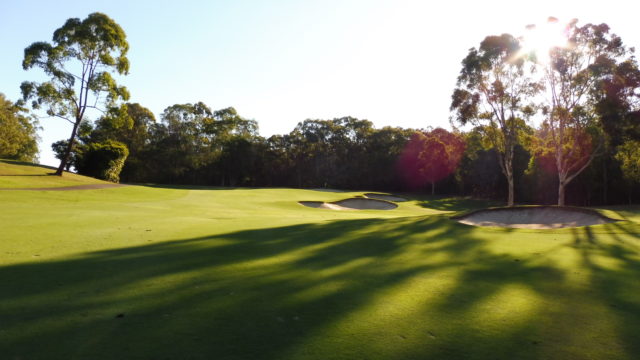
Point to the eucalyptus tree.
(234, 142)
(574, 113)
(494, 91)
(79, 63)
(183, 143)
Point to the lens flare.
(539, 40)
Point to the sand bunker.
(541, 217)
(384, 197)
(352, 204)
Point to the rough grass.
(171, 273)
(15, 174)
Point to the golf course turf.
(152, 272)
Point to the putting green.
(200, 273)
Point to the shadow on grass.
(613, 272)
(399, 288)
(454, 203)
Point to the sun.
(539, 40)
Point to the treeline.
(191, 144)
(194, 145)
(583, 95)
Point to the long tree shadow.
(612, 266)
(344, 289)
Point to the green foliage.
(431, 156)
(591, 83)
(103, 160)
(131, 125)
(18, 139)
(495, 91)
(629, 157)
(94, 47)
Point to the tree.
(83, 135)
(79, 63)
(492, 91)
(18, 139)
(629, 157)
(431, 156)
(182, 140)
(574, 79)
(131, 126)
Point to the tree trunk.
(605, 181)
(510, 199)
(561, 186)
(67, 153)
(433, 188)
(506, 165)
(507, 170)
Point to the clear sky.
(393, 62)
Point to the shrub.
(103, 160)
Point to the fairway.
(203, 273)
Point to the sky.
(393, 62)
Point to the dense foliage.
(535, 131)
(431, 156)
(18, 139)
(103, 160)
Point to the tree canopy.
(431, 156)
(79, 63)
(495, 90)
(18, 138)
(594, 59)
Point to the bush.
(103, 160)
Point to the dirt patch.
(385, 197)
(351, 204)
(540, 217)
(69, 188)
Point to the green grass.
(250, 274)
(16, 174)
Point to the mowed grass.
(177, 273)
(16, 174)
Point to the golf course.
(185, 272)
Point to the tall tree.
(574, 79)
(431, 156)
(493, 89)
(18, 138)
(130, 125)
(183, 141)
(79, 63)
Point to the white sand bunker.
(541, 217)
(352, 204)
(384, 197)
